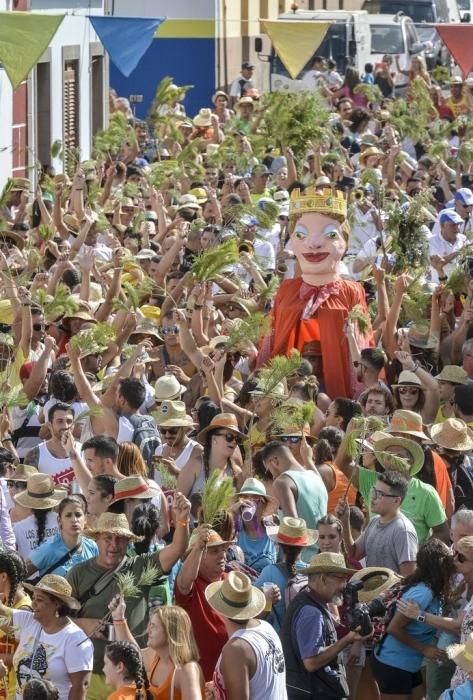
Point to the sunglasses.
(293, 439)
(169, 431)
(40, 326)
(408, 389)
(461, 557)
(172, 330)
(230, 437)
(20, 485)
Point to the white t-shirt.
(49, 656)
(18, 417)
(439, 246)
(26, 533)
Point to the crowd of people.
(189, 508)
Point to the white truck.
(354, 38)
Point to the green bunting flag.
(24, 37)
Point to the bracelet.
(7, 438)
(443, 279)
(26, 303)
(198, 306)
(121, 621)
(416, 367)
(183, 523)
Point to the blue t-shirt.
(276, 574)
(54, 548)
(461, 692)
(258, 553)
(368, 79)
(393, 652)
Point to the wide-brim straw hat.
(235, 598)
(214, 539)
(222, 421)
(328, 563)
(203, 118)
(17, 238)
(376, 579)
(407, 423)
(255, 487)
(453, 374)
(146, 327)
(370, 151)
(21, 184)
(293, 431)
(415, 451)
(407, 378)
(134, 487)
(278, 392)
(167, 388)
(112, 524)
(40, 493)
(82, 315)
(453, 434)
(172, 414)
(370, 441)
(23, 472)
(420, 337)
(293, 532)
(462, 655)
(57, 586)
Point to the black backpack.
(145, 437)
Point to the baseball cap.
(247, 64)
(260, 170)
(465, 195)
(450, 215)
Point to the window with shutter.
(71, 113)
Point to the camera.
(359, 615)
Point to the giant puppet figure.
(310, 312)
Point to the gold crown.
(320, 200)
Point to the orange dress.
(125, 693)
(288, 328)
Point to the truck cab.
(353, 39)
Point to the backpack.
(295, 584)
(145, 437)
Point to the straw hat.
(255, 487)
(172, 414)
(370, 151)
(21, 184)
(328, 563)
(412, 447)
(453, 434)
(40, 493)
(134, 487)
(214, 540)
(453, 374)
(293, 431)
(279, 392)
(22, 472)
(72, 224)
(370, 441)
(224, 421)
(407, 378)
(115, 524)
(167, 388)
(245, 101)
(200, 194)
(420, 337)
(146, 327)
(17, 238)
(407, 423)
(56, 586)
(235, 597)
(82, 315)
(203, 118)
(376, 580)
(292, 531)
(462, 654)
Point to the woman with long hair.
(352, 80)
(398, 658)
(335, 481)
(100, 492)
(12, 575)
(132, 491)
(68, 547)
(33, 517)
(220, 439)
(291, 536)
(171, 657)
(124, 672)
(416, 389)
(49, 643)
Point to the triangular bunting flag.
(126, 39)
(24, 37)
(295, 42)
(458, 38)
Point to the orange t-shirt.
(341, 483)
(125, 693)
(444, 484)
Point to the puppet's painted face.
(318, 244)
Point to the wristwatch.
(420, 618)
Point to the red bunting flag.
(458, 38)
